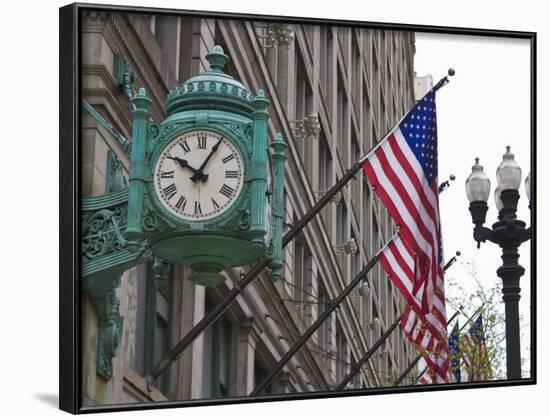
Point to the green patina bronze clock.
(205, 190)
(200, 191)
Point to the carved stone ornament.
(110, 330)
(124, 75)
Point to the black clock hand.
(200, 174)
(184, 164)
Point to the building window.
(310, 33)
(216, 358)
(355, 157)
(323, 51)
(323, 332)
(303, 108)
(342, 119)
(303, 270)
(374, 319)
(325, 176)
(304, 96)
(260, 374)
(330, 68)
(298, 270)
(375, 82)
(366, 207)
(341, 354)
(157, 27)
(367, 120)
(356, 380)
(365, 318)
(375, 232)
(153, 318)
(356, 75)
(341, 222)
(325, 163)
(383, 116)
(344, 34)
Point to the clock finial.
(217, 59)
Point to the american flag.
(402, 170)
(455, 352)
(475, 356)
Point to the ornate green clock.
(200, 191)
(205, 190)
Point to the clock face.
(198, 175)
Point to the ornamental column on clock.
(201, 194)
(139, 174)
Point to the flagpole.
(332, 305)
(379, 342)
(211, 317)
(415, 361)
(459, 330)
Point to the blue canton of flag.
(419, 129)
(455, 353)
(476, 331)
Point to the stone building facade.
(353, 84)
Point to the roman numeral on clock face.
(226, 190)
(181, 203)
(231, 174)
(201, 142)
(198, 209)
(228, 158)
(185, 146)
(167, 174)
(215, 204)
(170, 191)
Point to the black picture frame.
(70, 370)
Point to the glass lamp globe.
(478, 185)
(528, 186)
(498, 201)
(508, 172)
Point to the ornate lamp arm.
(482, 234)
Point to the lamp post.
(509, 233)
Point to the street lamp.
(509, 233)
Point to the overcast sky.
(484, 108)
